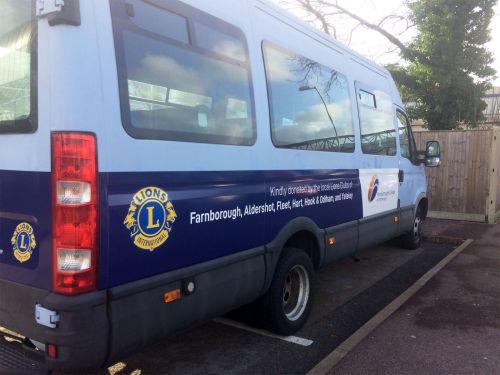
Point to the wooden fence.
(466, 186)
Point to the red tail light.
(75, 205)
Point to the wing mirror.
(432, 154)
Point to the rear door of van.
(25, 186)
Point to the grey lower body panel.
(406, 218)
(345, 241)
(378, 228)
(366, 232)
(139, 318)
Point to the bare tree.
(326, 13)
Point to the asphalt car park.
(347, 294)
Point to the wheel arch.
(300, 233)
(423, 204)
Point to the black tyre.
(413, 238)
(285, 307)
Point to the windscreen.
(17, 66)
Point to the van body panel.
(209, 224)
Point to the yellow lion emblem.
(23, 242)
(150, 218)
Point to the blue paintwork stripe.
(25, 195)
(201, 192)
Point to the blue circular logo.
(152, 216)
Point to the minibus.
(163, 162)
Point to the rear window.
(17, 66)
(184, 75)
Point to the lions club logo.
(23, 242)
(150, 218)
(372, 190)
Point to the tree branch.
(407, 52)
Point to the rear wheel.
(286, 305)
(413, 238)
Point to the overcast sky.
(376, 47)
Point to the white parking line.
(292, 339)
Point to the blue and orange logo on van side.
(150, 218)
(23, 242)
(372, 190)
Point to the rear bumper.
(81, 336)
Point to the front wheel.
(413, 238)
(286, 305)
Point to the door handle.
(401, 175)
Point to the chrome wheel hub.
(295, 292)
(417, 227)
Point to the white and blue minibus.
(163, 162)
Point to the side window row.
(310, 104)
(187, 78)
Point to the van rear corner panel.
(25, 228)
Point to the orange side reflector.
(52, 351)
(172, 296)
(331, 241)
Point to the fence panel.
(459, 187)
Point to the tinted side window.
(367, 99)
(309, 103)
(406, 140)
(220, 42)
(18, 64)
(404, 137)
(177, 84)
(378, 136)
(161, 22)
